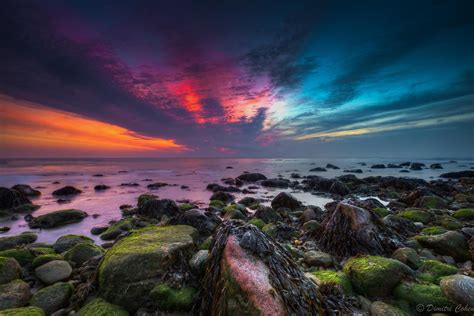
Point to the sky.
(236, 78)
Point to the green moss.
(217, 204)
(437, 269)
(433, 230)
(254, 206)
(185, 207)
(229, 208)
(464, 214)
(167, 298)
(38, 251)
(80, 253)
(206, 244)
(23, 311)
(257, 222)
(117, 228)
(333, 278)
(22, 255)
(17, 240)
(142, 199)
(449, 222)
(381, 211)
(100, 307)
(433, 202)
(426, 294)
(417, 216)
(40, 260)
(375, 276)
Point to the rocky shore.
(409, 255)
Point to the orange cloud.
(28, 125)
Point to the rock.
(80, 253)
(58, 218)
(353, 170)
(349, 230)
(23, 311)
(22, 255)
(222, 196)
(100, 307)
(198, 261)
(416, 166)
(339, 188)
(436, 166)
(200, 220)
(267, 214)
(159, 208)
(375, 276)
(14, 294)
(10, 270)
(251, 177)
(315, 258)
(424, 294)
(393, 166)
(458, 175)
(407, 256)
(281, 232)
(380, 308)
(26, 190)
(10, 198)
(143, 198)
(285, 200)
(405, 164)
(318, 169)
(16, 241)
(416, 215)
(331, 166)
(42, 259)
(465, 214)
(459, 289)
(101, 187)
(67, 190)
(432, 202)
(66, 242)
(134, 265)
(237, 268)
(157, 185)
(52, 298)
(328, 281)
(122, 227)
(130, 184)
(233, 213)
(248, 200)
(167, 298)
(257, 222)
(433, 270)
(98, 230)
(378, 166)
(310, 214)
(275, 183)
(451, 243)
(54, 271)
(401, 225)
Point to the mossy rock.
(433, 202)
(417, 215)
(52, 298)
(23, 311)
(418, 293)
(375, 276)
(437, 270)
(24, 256)
(464, 198)
(133, 266)
(380, 308)
(382, 211)
(66, 242)
(451, 243)
(449, 222)
(257, 222)
(142, 199)
(58, 218)
(82, 252)
(185, 207)
(206, 244)
(217, 204)
(234, 213)
(329, 278)
(407, 256)
(25, 208)
(18, 240)
(100, 307)
(465, 214)
(39, 251)
(170, 299)
(10, 270)
(42, 259)
(117, 228)
(433, 230)
(14, 294)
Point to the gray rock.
(18, 240)
(459, 289)
(408, 256)
(14, 294)
(380, 308)
(10, 270)
(66, 242)
(318, 258)
(451, 243)
(54, 271)
(198, 261)
(53, 297)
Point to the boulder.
(10, 270)
(26, 190)
(275, 183)
(250, 274)
(52, 298)
(101, 187)
(80, 253)
(222, 196)
(14, 294)
(251, 177)
(16, 241)
(58, 218)
(458, 175)
(100, 307)
(67, 190)
(459, 289)
(407, 256)
(204, 222)
(285, 200)
(136, 263)
(426, 294)
(375, 276)
(10, 198)
(349, 230)
(267, 214)
(23, 311)
(339, 188)
(331, 281)
(54, 271)
(66, 242)
(315, 258)
(451, 243)
(159, 208)
(170, 299)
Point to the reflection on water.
(193, 173)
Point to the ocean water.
(194, 173)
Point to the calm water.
(194, 173)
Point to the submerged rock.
(248, 273)
(10, 198)
(136, 263)
(58, 218)
(251, 177)
(67, 190)
(26, 190)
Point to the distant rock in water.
(318, 169)
(156, 185)
(350, 230)
(378, 166)
(436, 166)
(67, 190)
(353, 170)
(57, 218)
(458, 175)
(244, 260)
(331, 166)
(275, 183)
(130, 184)
(101, 187)
(158, 208)
(251, 177)
(26, 190)
(10, 198)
